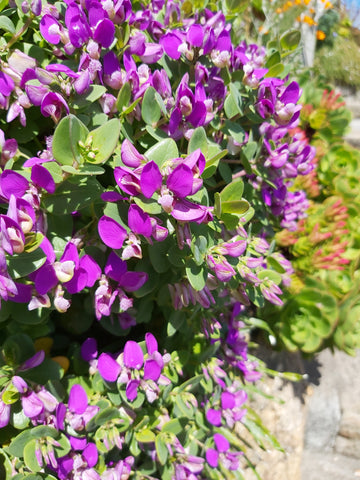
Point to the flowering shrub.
(147, 157)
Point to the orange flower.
(320, 35)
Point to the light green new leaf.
(198, 140)
(104, 140)
(6, 24)
(163, 151)
(65, 146)
(150, 108)
(290, 39)
(233, 191)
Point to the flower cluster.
(119, 208)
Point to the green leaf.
(150, 108)
(123, 97)
(175, 426)
(237, 207)
(9, 397)
(196, 275)
(65, 146)
(233, 191)
(163, 151)
(274, 59)
(275, 70)
(198, 140)
(235, 131)
(17, 445)
(161, 448)
(30, 456)
(145, 436)
(24, 263)
(84, 169)
(6, 24)
(93, 93)
(106, 415)
(104, 140)
(270, 275)
(43, 431)
(290, 39)
(6, 469)
(149, 205)
(74, 195)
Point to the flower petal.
(108, 367)
(111, 232)
(133, 355)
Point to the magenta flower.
(111, 232)
(108, 368)
(139, 222)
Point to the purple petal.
(291, 93)
(5, 411)
(180, 181)
(70, 253)
(13, 183)
(152, 370)
(214, 417)
(150, 180)
(171, 42)
(89, 349)
(195, 35)
(212, 457)
(224, 41)
(78, 281)
(115, 268)
(20, 384)
(132, 281)
(78, 443)
(51, 105)
(139, 221)
(91, 455)
(132, 389)
(78, 400)
(127, 180)
(227, 400)
(112, 197)
(130, 156)
(153, 53)
(133, 355)
(105, 32)
(186, 211)
(151, 343)
(32, 405)
(41, 177)
(92, 269)
(108, 367)
(6, 84)
(46, 23)
(32, 362)
(175, 119)
(24, 293)
(198, 115)
(222, 444)
(111, 232)
(48, 249)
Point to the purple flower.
(139, 222)
(52, 105)
(111, 232)
(230, 460)
(133, 355)
(109, 369)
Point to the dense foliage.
(148, 157)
